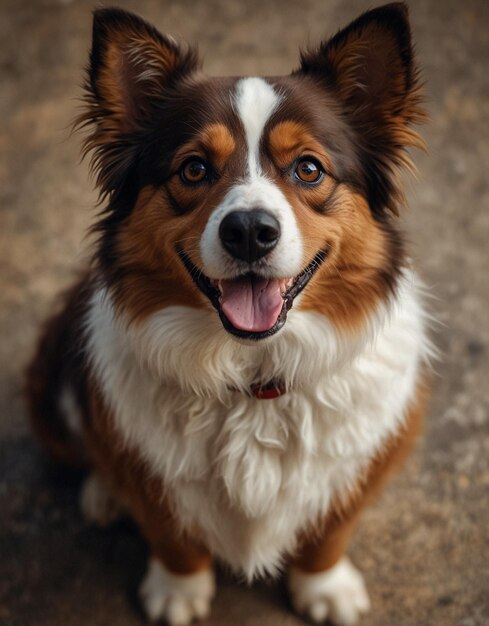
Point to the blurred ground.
(424, 547)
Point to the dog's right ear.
(131, 67)
(370, 68)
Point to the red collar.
(268, 391)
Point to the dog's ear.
(131, 66)
(370, 67)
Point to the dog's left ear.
(131, 67)
(369, 67)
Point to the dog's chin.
(273, 315)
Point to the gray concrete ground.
(424, 547)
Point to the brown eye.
(309, 171)
(193, 171)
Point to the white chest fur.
(251, 473)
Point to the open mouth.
(251, 306)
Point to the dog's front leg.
(177, 598)
(323, 583)
(179, 583)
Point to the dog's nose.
(249, 235)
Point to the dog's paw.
(96, 502)
(178, 599)
(338, 595)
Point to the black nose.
(249, 235)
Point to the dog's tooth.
(285, 284)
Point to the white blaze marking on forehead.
(255, 101)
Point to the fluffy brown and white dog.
(243, 363)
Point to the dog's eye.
(193, 171)
(309, 171)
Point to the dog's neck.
(266, 391)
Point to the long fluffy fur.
(137, 375)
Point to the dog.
(244, 362)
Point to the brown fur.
(143, 225)
(126, 50)
(341, 111)
(382, 105)
(323, 546)
(58, 363)
(349, 286)
(149, 503)
(153, 276)
(290, 139)
(214, 142)
(141, 493)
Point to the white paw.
(339, 594)
(176, 598)
(96, 502)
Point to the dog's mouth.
(251, 306)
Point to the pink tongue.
(251, 303)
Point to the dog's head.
(242, 193)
